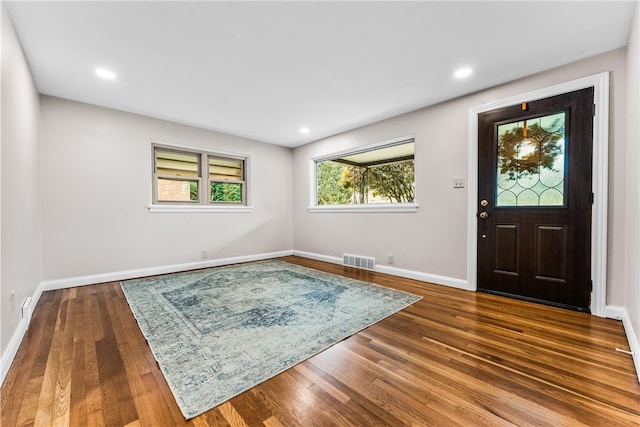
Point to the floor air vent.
(356, 261)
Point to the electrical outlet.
(26, 310)
(458, 182)
(203, 254)
(13, 300)
(390, 259)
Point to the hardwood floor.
(453, 358)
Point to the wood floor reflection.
(453, 358)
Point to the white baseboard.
(620, 313)
(611, 311)
(14, 344)
(50, 285)
(452, 282)
(394, 271)
(614, 312)
(318, 257)
(12, 349)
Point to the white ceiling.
(264, 69)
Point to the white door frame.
(600, 83)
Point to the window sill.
(198, 208)
(395, 207)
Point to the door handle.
(483, 215)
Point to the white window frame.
(357, 208)
(203, 204)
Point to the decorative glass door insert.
(534, 200)
(531, 162)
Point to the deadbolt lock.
(484, 202)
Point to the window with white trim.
(383, 174)
(184, 176)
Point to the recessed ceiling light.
(304, 130)
(462, 73)
(105, 74)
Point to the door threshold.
(536, 300)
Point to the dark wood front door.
(535, 199)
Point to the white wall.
(96, 186)
(20, 231)
(93, 184)
(632, 300)
(433, 240)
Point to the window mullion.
(204, 179)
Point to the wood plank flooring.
(453, 358)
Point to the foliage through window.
(183, 176)
(381, 175)
(531, 162)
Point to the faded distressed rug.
(218, 332)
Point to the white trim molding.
(16, 339)
(12, 349)
(435, 279)
(614, 312)
(394, 271)
(600, 83)
(620, 313)
(197, 208)
(70, 282)
(318, 257)
(49, 285)
(377, 208)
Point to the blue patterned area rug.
(218, 332)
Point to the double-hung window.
(184, 176)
